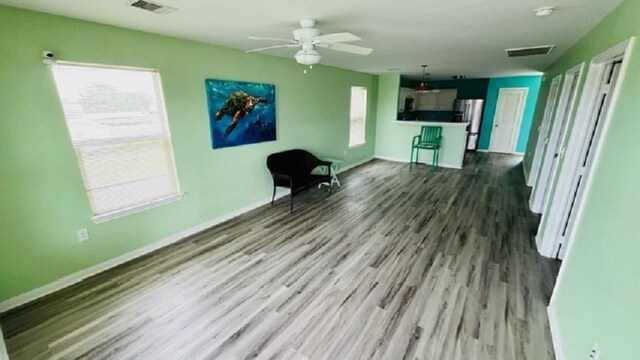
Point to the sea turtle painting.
(240, 113)
(238, 105)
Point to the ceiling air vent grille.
(152, 6)
(530, 51)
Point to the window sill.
(98, 219)
(357, 145)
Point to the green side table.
(333, 170)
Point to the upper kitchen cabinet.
(436, 100)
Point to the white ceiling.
(453, 36)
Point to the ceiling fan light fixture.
(308, 57)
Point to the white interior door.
(585, 156)
(553, 144)
(506, 123)
(574, 176)
(545, 129)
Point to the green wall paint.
(393, 140)
(495, 84)
(42, 198)
(597, 297)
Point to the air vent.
(530, 51)
(152, 6)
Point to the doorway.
(506, 123)
(552, 149)
(544, 129)
(601, 89)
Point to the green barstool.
(429, 139)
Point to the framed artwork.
(240, 113)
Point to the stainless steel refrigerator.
(469, 111)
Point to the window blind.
(358, 114)
(118, 127)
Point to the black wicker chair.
(292, 169)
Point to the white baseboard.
(511, 153)
(96, 269)
(356, 164)
(555, 332)
(106, 265)
(4, 355)
(395, 159)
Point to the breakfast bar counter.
(454, 139)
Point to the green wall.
(495, 84)
(42, 201)
(393, 140)
(597, 297)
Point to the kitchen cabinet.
(436, 100)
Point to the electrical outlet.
(595, 352)
(83, 234)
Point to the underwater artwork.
(240, 113)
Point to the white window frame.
(364, 117)
(153, 203)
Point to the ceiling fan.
(308, 38)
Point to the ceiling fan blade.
(272, 47)
(352, 49)
(335, 38)
(269, 39)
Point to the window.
(118, 127)
(358, 115)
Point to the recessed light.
(393, 69)
(544, 11)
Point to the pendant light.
(423, 86)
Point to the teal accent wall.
(597, 296)
(42, 198)
(495, 84)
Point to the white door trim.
(548, 166)
(548, 236)
(545, 126)
(525, 91)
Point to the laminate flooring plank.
(395, 264)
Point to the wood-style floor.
(397, 264)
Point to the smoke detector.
(152, 6)
(544, 11)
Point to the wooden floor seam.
(396, 264)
